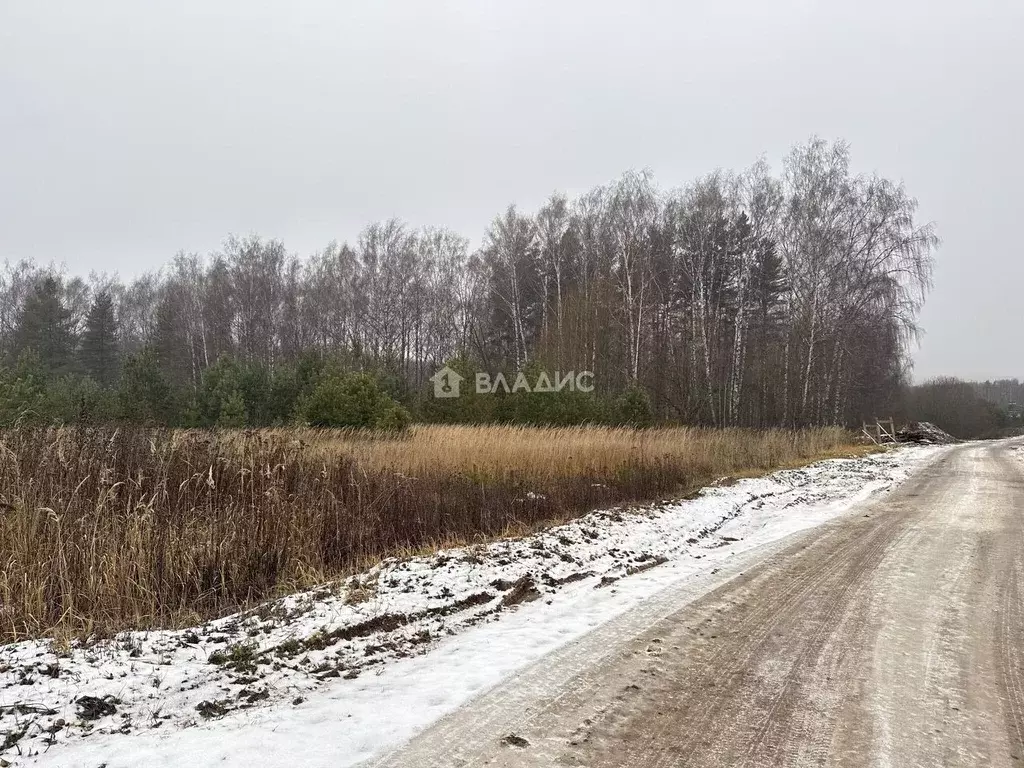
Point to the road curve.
(891, 637)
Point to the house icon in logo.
(446, 382)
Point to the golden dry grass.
(558, 452)
(102, 529)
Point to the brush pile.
(924, 433)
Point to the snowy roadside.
(1018, 452)
(341, 675)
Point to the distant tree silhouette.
(47, 328)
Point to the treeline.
(1006, 393)
(966, 409)
(746, 299)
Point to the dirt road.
(892, 637)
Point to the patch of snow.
(341, 675)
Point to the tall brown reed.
(107, 529)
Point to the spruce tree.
(100, 354)
(46, 327)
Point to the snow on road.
(341, 675)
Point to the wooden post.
(867, 433)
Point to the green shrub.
(393, 418)
(78, 400)
(144, 395)
(353, 400)
(23, 391)
(633, 408)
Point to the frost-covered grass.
(103, 530)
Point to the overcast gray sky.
(130, 130)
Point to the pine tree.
(769, 289)
(145, 396)
(46, 327)
(100, 355)
(22, 390)
(232, 411)
(768, 285)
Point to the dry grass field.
(107, 529)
